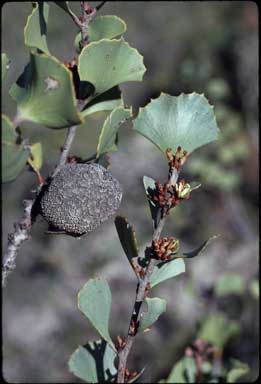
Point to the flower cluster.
(183, 189)
(168, 195)
(164, 248)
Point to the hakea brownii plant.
(79, 194)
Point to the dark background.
(209, 47)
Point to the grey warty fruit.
(79, 198)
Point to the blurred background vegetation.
(206, 47)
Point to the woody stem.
(141, 293)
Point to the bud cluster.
(167, 195)
(164, 248)
(178, 159)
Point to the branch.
(141, 292)
(15, 240)
(88, 14)
(65, 149)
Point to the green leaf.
(190, 369)
(5, 65)
(44, 93)
(197, 251)
(94, 363)
(149, 185)
(127, 238)
(103, 106)
(217, 329)
(35, 30)
(156, 307)
(104, 102)
(37, 157)
(166, 270)
(94, 300)
(14, 155)
(177, 373)
(103, 27)
(171, 121)
(229, 284)
(239, 369)
(106, 27)
(107, 63)
(184, 371)
(110, 129)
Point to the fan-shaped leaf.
(103, 27)
(171, 121)
(166, 270)
(110, 129)
(14, 155)
(94, 300)
(107, 63)
(94, 363)
(36, 27)
(156, 307)
(106, 27)
(44, 93)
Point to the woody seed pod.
(80, 198)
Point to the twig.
(141, 292)
(16, 239)
(88, 14)
(65, 149)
